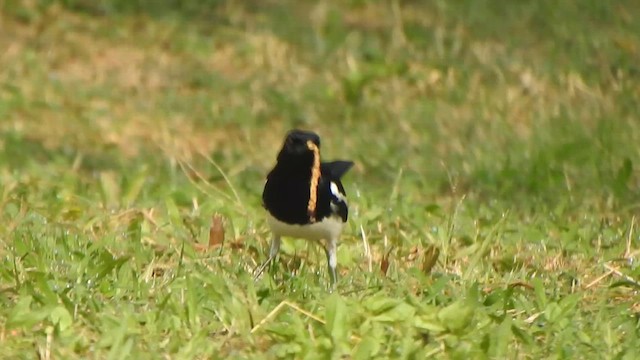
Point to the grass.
(496, 182)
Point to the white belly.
(327, 229)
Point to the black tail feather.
(336, 169)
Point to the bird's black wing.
(333, 197)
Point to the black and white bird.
(304, 197)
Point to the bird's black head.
(297, 151)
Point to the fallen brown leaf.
(216, 232)
(430, 258)
(384, 262)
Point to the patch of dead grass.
(134, 70)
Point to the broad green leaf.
(400, 312)
(42, 288)
(584, 337)
(107, 263)
(456, 316)
(367, 349)
(541, 297)
(429, 324)
(379, 304)
(23, 315)
(61, 317)
(502, 338)
(522, 335)
(336, 318)
(552, 312)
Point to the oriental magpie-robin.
(304, 197)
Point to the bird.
(304, 197)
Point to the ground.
(494, 202)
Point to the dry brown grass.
(74, 59)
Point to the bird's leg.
(273, 252)
(331, 250)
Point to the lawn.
(494, 205)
